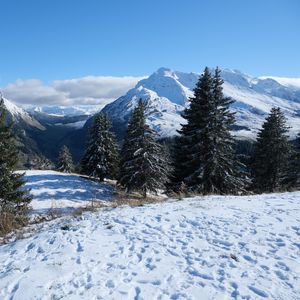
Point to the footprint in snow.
(153, 282)
(281, 276)
(52, 240)
(40, 250)
(26, 269)
(258, 292)
(30, 246)
(79, 247)
(282, 266)
(110, 284)
(250, 259)
(235, 292)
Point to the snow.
(13, 109)
(76, 125)
(62, 192)
(19, 114)
(167, 93)
(213, 247)
(77, 110)
(286, 81)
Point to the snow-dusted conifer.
(205, 156)
(271, 154)
(65, 161)
(222, 172)
(101, 158)
(145, 165)
(186, 162)
(293, 176)
(13, 198)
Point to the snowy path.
(201, 248)
(61, 191)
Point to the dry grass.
(92, 206)
(134, 200)
(10, 222)
(121, 199)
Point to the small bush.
(10, 222)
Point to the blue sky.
(63, 39)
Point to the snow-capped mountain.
(20, 116)
(71, 116)
(25, 128)
(70, 111)
(167, 93)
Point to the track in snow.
(201, 248)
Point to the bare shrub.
(11, 221)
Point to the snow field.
(62, 192)
(211, 247)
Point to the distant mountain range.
(56, 110)
(167, 93)
(43, 130)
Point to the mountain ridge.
(167, 92)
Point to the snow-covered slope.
(167, 93)
(289, 82)
(62, 192)
(207, 248)
(20, 116)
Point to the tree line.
(203, 159)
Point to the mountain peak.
(163, 71)
(13, 109)
(172, 85)
(17, 114)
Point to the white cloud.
(87, 90)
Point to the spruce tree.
(189, 140)
(65, 161)
(145, 165)
(293, 169)
(221, 169)
(205, 156)
(101, 158)
(13, 198)
(271, 154)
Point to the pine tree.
(271, 154)
(293, 169)
(13, 198)
(221, 169)
(65, 161)
(189, 140)
(101, 158)
(205, 156)
(145, 165)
